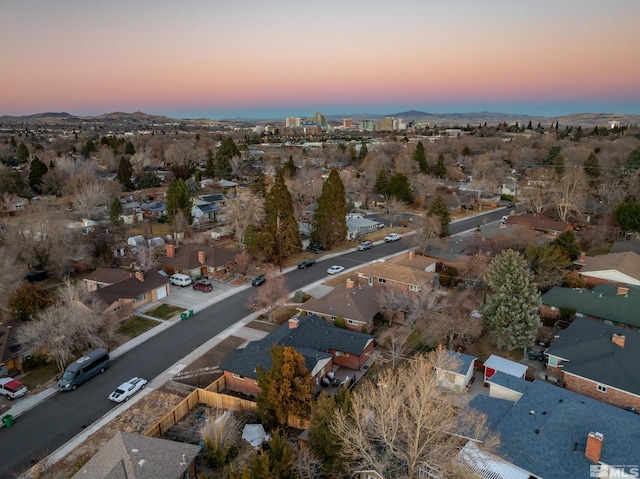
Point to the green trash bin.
(183, 316)
(7, 420)
(190, 312)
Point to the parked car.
(203, 285)
(12, 388)
(511, 205)
(259, 281)
(315, 248)
(365, 245)
(181, 280)
(335, 269)
(306, 263)
(536, 355)
(392, 237)
(128, 389)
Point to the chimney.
(139, 275)
(618, 339)
(293, 323)
(622, 290)
(412, 255)
(201, 257)
(171, 251)
(583, 255)
(350, 283)
(594, 446)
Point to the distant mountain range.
(440, 119)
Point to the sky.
(223, 59)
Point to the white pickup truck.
(12, 388)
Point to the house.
(357, 306)
(456, 372)
(204, 211)
(613, 268)
(376, 200)
(358, 226)
(133, 456)
(142, 288)
(10, 349)
(497, 363)
(149, 195)
(606, 302)
(407, 271)
(549, 432)
(103, 277)
(197, 260)
(155, 210)
(539, 222)
(214, 198)
(598, 360)
(131, 213)
(321, 344)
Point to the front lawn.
(135, 326)
(40, 376)
(165, 311)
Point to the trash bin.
(7, 420)
(190, 312)
(183, 316)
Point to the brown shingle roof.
(395, 273)
(132, 287)
(356, 303)
(108, 275)
(538, 222)
(186, 257)
(627, 263)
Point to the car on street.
(315, 248)
(127, 389)
(259, 281)
(335, 269)
(392, 237)
(365, 245)
(511, 205)
(306, 263)
(203, 285)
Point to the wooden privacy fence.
(211, 397)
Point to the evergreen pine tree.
(511, 313)
(22, 154)
(36, 171)
(210, 164)
(281, 237)
(115, 211)
(439, 170)
(290, 167)
(382, 180)
(529, 126)
(592, 170)
(179, 199)
(439, 208)
(363, 151)
(329, 220)
(125, 171)
(259, 185)
(420, 156)
(399, 188)
(223, 169)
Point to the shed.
(497, 363)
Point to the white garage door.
(161, 292)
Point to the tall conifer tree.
(329, 220)
(281, 236)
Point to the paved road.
(51, 424)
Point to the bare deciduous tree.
(245, 210)
(394, 301)
(241, 262)
(90, 196)
(271, 294)
(569, 193)
(146, 256)
(71, 326)
(405, 422)
(10, 278)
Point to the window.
(343, 354)
(382, 280)
(351, 321)
(414, 287)
(553, 361)
(238, 376)
(602, 388)
(139, 298)
(117, 308)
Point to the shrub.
(340, 322)
(449, 278)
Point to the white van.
(180, 279)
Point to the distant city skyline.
(243, 59)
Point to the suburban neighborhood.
(374, 298)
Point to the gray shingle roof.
(132, 287)
(545, 431)
(589, 352)
(510, 382)
(313, 338)
(132, 456)
(358, 304)
(601, 302)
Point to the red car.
(203, 285)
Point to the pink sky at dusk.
(225, 58)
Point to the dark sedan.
(259, 280)
(307, 263)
